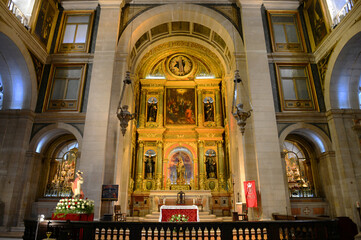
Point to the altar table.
(167, 211)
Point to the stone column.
(221, 165)
(218, 114)
(263, 161)
(139, 167)
(143, 103)
(159, 173)
(160, 108)
(200, 108)
(202, 174)
(344, 140)
(92, 162)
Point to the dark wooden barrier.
(262, 230)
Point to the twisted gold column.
(201, 164)
(221, 165)
(159, 165)
(139, 177)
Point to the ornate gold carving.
(140, 143)
(180, 187)
(322, 66)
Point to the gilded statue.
(152, 110)
(181, 169)
(208, 110)
(149, 167)
(211, 167)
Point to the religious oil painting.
(180, 106)
(110, 192)
(317, 21)
(180, 169)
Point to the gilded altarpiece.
(180, 141)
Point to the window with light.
(285, 31)
(296, 89)
(65, 90)
(76, 30)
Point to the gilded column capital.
(220, 143)
(201, 143)
(159, 143)
(199, 91)
(141, 143)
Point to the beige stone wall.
(15, 129)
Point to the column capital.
(110, 3)
(251, 3)
(201, 143)
(159, 143)
(141, 143)
(220, 143)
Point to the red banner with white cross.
(251, 194)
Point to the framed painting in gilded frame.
(180, 106)
(110, 192)
(316, 21)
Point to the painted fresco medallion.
(180, 65)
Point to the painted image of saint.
(180, 107)
(317, 21)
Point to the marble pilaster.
(264, 158)
(94, 150)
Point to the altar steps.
(203, 217)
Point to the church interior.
(149, 98)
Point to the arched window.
(298, 170)
(1, 94)
(62, 170)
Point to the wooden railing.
(270, 230)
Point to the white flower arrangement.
(74, 205)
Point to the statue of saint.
(149, 167)
(76, 186)
(211, 167)
(152, 110)
(208, 110)
(181, 169)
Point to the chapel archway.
(180, 104)
(181, 58)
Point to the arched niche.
(177, 155)
(179, 12)
(17, 72)
(343, 74)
